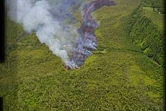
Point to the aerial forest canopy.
(124, 73)
(146, 29)
(157, 5)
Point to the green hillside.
(146, 30)
(119, 76)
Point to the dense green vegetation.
(146, 31)
(157, 5)
(117, 77)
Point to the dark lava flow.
(87, 40)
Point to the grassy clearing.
(156, 17)
(117, 77)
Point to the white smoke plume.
(45, 17)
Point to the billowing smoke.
(48, 19)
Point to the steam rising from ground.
(46, 18)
